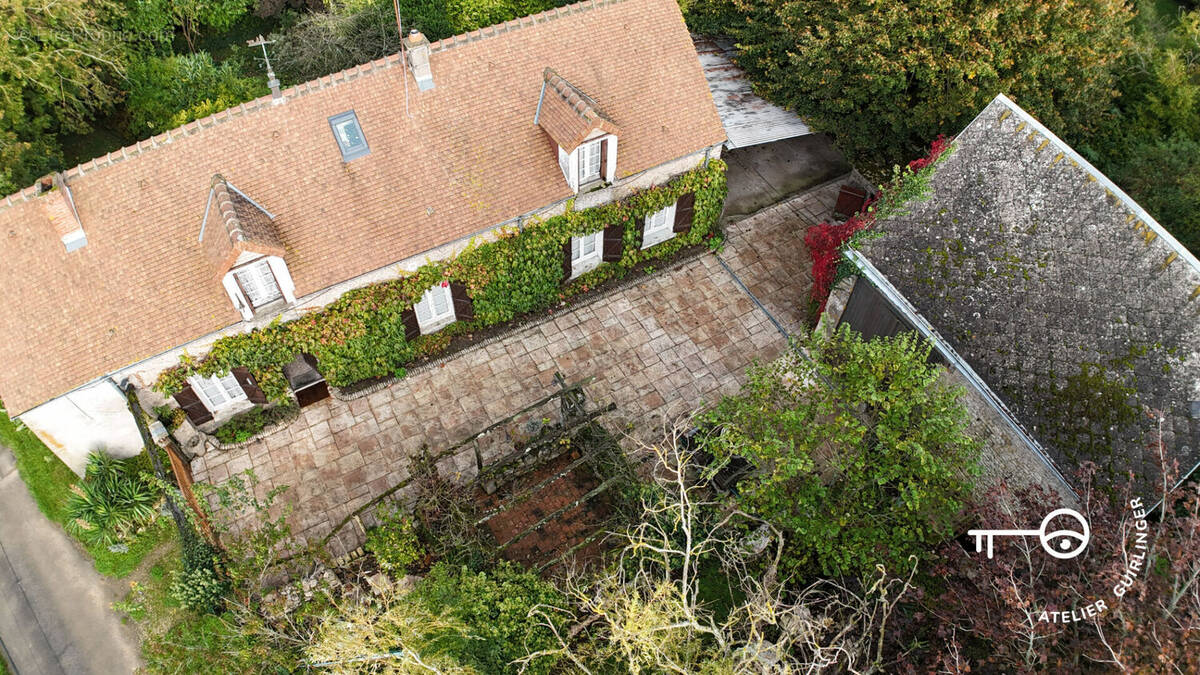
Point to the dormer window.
(258, 283)
(349, 135)
(239, 235)
(586, 138)
(590, 154)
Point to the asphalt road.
(55, 609)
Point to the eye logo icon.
(1063, 544)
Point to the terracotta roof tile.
(567, 114)
(463, 158)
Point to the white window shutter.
(422, 309)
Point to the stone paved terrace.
(662, 347)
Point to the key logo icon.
(1063, 544)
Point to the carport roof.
(747, 117)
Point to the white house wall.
(89, 419)
(71, 439)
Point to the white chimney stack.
(417, 46)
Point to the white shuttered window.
(258, 283)
(660, 226)
(217, 392)
(589, 162)
(586, 252)
(435, 309)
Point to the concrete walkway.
(55, 609)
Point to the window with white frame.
(217, 391)
(258, 282)
(589, 162)
(586, 252)
(660, 226)
(435, 309)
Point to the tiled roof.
(1049, 280)
(456, 160)
(567, 114)
(238, 226)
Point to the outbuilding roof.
(1066, 297)
(442, 164)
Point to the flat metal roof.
(747, 117)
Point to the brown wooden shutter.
(192, 405)
(604, 159)
(614, 243)
(566, 260)
(685, 212)
(464, 309)
(246, 381)
(412, 329)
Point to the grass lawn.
(49, 481)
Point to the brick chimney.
(59, 206)
(417, 46)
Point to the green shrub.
(395, 544)
(862, 453)
(200, 590)
(361, 335)
(884, 78)
(113, 501)
(494, 606)
(247, 425)
(167, 92)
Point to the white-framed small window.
(589, 162)
(435, 309)
(217, 391)
(586, 252)
(258, 282)
(660, 226)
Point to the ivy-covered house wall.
(363, 334)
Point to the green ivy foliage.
(361, 334)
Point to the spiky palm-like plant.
(111, 502)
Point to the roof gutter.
(901, 304)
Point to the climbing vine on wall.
(826, 241)
(361, 334)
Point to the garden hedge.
(361, 334)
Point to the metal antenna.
(403, 58)
(272, 81)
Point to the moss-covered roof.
(1074, 306)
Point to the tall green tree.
(358, 31)
(1151, 144)
(861, 454)
(168, 92)
(885, 76)
(59, 69)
